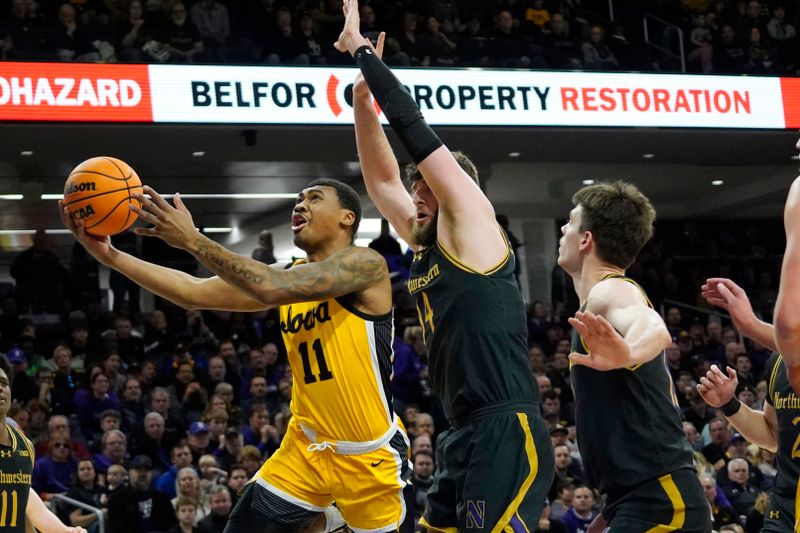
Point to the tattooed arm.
(350, 270)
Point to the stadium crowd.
(159, 418)
(724, 36)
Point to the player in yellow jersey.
(20, 506)
(344, 442)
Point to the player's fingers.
(725, 292)
(147, 232)
(719, 302)
(379, 45)
(701, 388)
(580, 359)
(147, 204)
(145, 215)
(157, 198)
(179, 203)
(603, 326)
(580, 326)
(732, 373)
(716, 371)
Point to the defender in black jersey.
(627, 417)
(18, 502)
(495, 465)
(776, 428)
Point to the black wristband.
(732, 407)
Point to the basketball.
(98, 192)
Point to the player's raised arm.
(378, 163)
(787, 318)
(726, 294)
(463, 208)
(719, 391)
(178, 287)
(349, 270)
(619, 328)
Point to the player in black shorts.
(776, 427)
(627, 416)
(18, 502)
(495, 465)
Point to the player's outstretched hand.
(350, 39)
(607, 349)
(174, 225)
(75, 529)
(100, 247)
(716, 388)
(360, 88)
(726, 294)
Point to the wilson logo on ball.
(80, 187)
(82, 212)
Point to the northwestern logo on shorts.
(475, 513)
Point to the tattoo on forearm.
(346, 271)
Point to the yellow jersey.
(341, 362)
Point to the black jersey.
(475, 330)
(629, 426)
(783, 399)
(16, 469)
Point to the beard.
(424, 235)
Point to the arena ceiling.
(527, 172)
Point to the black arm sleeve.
(398, 105)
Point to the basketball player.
(629, 429)
(787, 317)
(343, 443)
(774, 428)
(495, 465)
(20, 506)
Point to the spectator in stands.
(752, 18)
(136, 508)
(422, 443)
(424, 425)
(580, 514)
(210, 473)
(237, 478)
(722, 511)
(565, 491)
(187, 485)
(506, 45)
(730, 56)
(132, 34)
(86, 489)
(174, 428)
(157, 336)
(58, 427)
(257, 363)
(199, 441)
(549, 524)
(111, 365)
(114, 451)
(596, 53)
(537, 16)
(740, 492)
(181, 457)
(385, 244)
(131, 406)
(717, 451)
(258, 416)
(560, 49)
(186, 513)
(566, 467)
(211, 20)
(422, 479)
(180, 37)
(265, 251)
(439, 50)
(703, 51)
(38, 274)
(94, 404)
(250, 458)
(409, 41)
(152, 442)
(694, 438)
(130, 346)
(53, 472)
(282, 46)
(760, 56)
(220, 508)
(72, 42)
(23, 386)
(116, 477)
(24, 39)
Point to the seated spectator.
(560, 51)
(237, 479)
(506, 45)
(111, 364)
(760, 54)
(549, 524)
(283, 46)
(423, 424)
(409, 41)
(186, 513)
(231, 445)
(113, 451)
(316, 48)
(424, 465)
(580, 514)
(722, 511)
(422, 443)
(23, 386)
(132, 408)
(98, 401)
(220, 508)
(250, 458)
(566, 467)
(153, 443)
(596, 53)
(86, 489)
(210, 473)
(694, 439)
(438, 49)
(717, 451)
(58, 426)
(54, 471)
(24, 38)
(199, 441)
(537, 16)
(740, 492)
(407, 366)
(174, 428)
(137, 508)
(187, 485)
(180, 457)
(116, 477)
(180, 38)
(730, 55)
(702, 50)
(565, 492)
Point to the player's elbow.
(787, 325)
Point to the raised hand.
(350, 39)
(726, 294)
(99, 247)
(174, 225)
(716, 388)
(607, 349)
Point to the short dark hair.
(348, 198)
(413, 174)
(551, 395)
(619, 217)
(423, 452)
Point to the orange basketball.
(98, 192)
